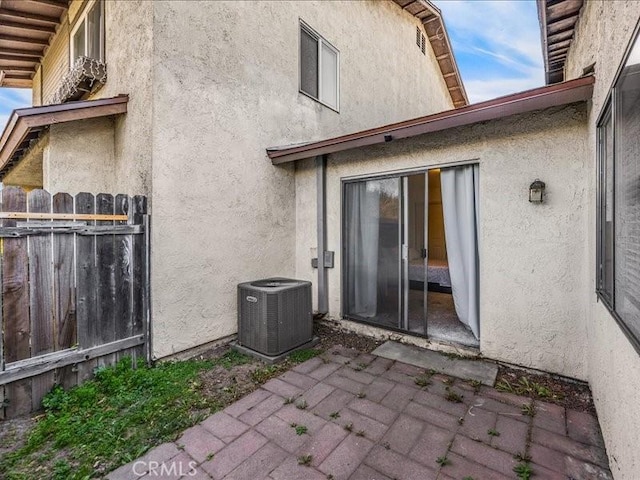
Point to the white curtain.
(460, 206)
(363, 234)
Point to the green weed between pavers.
(116, 417)
(113, 419)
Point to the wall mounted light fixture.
(536, 191)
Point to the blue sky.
(496, 44)
(11, 98)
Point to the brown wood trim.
(23, 121)
(31, 41)
(17, 58)
(29, 16)
(573, 91)
(429, 14)
(34, 54)
(16, 68)
(30, 27)
(62, 4)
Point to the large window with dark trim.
(618, 248)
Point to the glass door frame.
(403, 239)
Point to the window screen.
(606, 205)
(79, 41)
(319, 65)
(619, 200)
(94, 27)
(329, 93)
(308, 63)
(627, 199)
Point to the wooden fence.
(75, 284)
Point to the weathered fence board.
(123, 281)
(15, 308)
(15, 283)
(105, 263)
(140, 274)
(41, 296)
(74, 278)
(64, 290)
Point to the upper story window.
(87, 36)
(319, 68)
(618, 240)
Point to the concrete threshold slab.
(479, 370)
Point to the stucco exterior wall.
(604, 30)
(128, 54)
(533, 266)
(28, 172)
(221, 213)
(79, 157)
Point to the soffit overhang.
(434, 26)
(558, 20)
(26, 30)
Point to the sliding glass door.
(372, 244)
(385, 252)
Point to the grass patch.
(523, 471)
(525, 387)
(303, 355)
(113, 419)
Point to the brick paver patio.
(367, 419)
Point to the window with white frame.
(87, 36)
(319, 68)
(618, 240)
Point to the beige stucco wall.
(225, 86)
(604, 30)
(28, 172)
(532, 257)
(79, 157)
(128, 54)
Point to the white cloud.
(481, 90)
(10, 99)
(503, 38)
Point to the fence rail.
(74, 275)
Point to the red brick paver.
(366, 419)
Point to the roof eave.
(573, 91)
(26, 30)
(24, 121)
(436, 29)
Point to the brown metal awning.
(26, 124)
(578, 90)
(26, 28)
(431, 18)
(557, 24)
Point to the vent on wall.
(421, 40)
